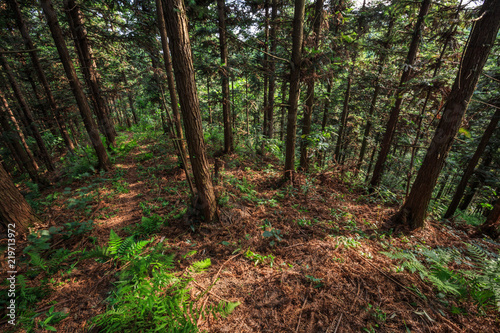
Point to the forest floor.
(298, 257)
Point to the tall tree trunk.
(90, 125)
(27, 114)
(89, 69)
(343, 118)
(308, 110)
(393, 118)
(283, 109)
(226, 106)
(171, 83)
(15, 213)
(41, 75)
(479, 45)
(469, 170)
(293, 99)
(272, 71)
(177, 28)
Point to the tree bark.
(343, 118)
(226, 106)
(177, 28)
(293, 99)
(15, 213)
(90, 125)
(394, 116)
(41, 75)
(89, 69)
(170, 82)
(479, 45)
(308, 110)
(272, 71)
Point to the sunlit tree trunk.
(481, 40)
(293, 99)
(177, 28)
(90, 125)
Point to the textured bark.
(308, 110)
(170, 81)
(15, 213)
(283, 109)
(394, 116)
(90, 125)
(89, 69)
(293, 99)
(469, 170)
(272, 71)
(177, 28)
(479, 45)
(226, 106)
(41, 75)
(27, 113)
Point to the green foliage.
(273, 233)
(149, 288)
(481, 282)
(258, 258)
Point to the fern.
(200, 266)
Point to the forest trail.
(298, 258)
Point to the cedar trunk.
(89, 69)
(90, 125)
(480, 42)
(15, 213)
(293, 99)
(226, 107)
(177, 28)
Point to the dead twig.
(300, 315)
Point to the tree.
(293, 99)
(170, 82)
(15, 213)
(481, 40)
(177, 29)
(90, 125)
(306, 120)
(89, 69)
(27, 113)
(40, 73)
(226, 106)
(459, 192)
(394, 116)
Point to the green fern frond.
(114, 243)
(200, 266)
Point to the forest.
(250, 166)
